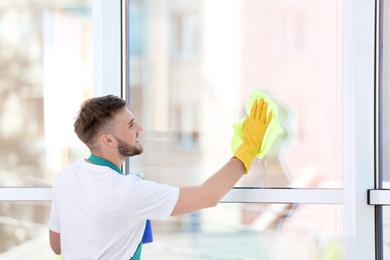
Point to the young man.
(99, 213)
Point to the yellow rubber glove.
(254, 130)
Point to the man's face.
(126, 134)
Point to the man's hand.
(254, 130)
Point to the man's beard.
(127, 150)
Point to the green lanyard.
(103, 162)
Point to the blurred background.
(192, 66)
(45, 73)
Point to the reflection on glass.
(293, 232)
(385, 109)
(23, 231)
(45, 71)
(193, 65)
(386, 232)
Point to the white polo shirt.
(101, 214)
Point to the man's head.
(105, 123)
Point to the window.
(45, 73)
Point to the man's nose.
(140, 129)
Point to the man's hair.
(94, 117)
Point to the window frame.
(110, 77)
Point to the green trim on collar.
(103, 162)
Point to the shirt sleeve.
(148, 200)
(54, 221)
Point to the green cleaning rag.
(273, 130)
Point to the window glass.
(385, 109)
(189, 84)
(386, 232)
(46, 72)
(251, 231)
(385, 127)
(23, 231)
(199, 62)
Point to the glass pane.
(386, 98)
(193, 65)
(385, 111)
(23, 231)
(251, 231)
(386, 232)
(45, 71)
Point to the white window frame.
(358, 82)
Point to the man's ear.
(106, 139)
